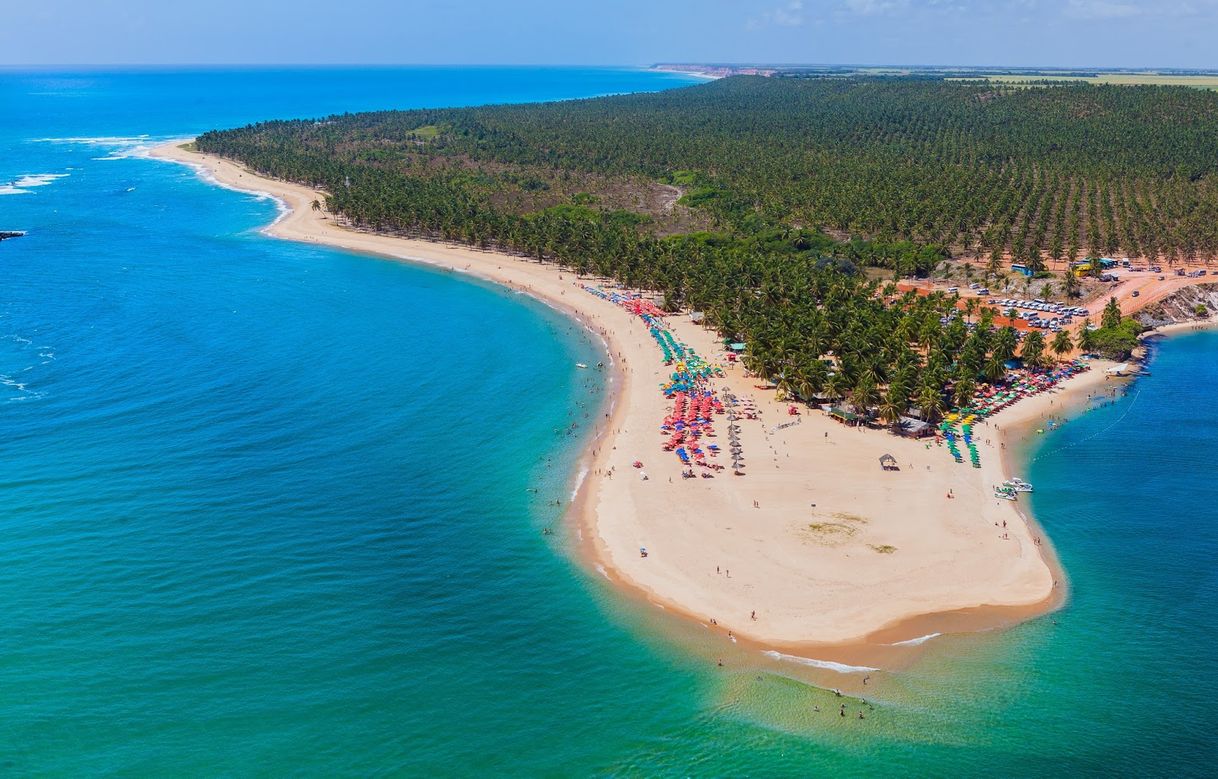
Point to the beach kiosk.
(889, 463)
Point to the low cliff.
(1191, 304)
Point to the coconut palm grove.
(780, 207)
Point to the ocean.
(269, 508)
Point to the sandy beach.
(817, 548)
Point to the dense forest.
(1059, 171)
(755, 200)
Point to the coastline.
(951, 571)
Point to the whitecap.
(827, 665)
(99, 140)
(121, 147)
(916, 641)
(9, 189)
(37, 179)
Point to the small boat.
(1004, 493)
(1017, 484)
(580, 365)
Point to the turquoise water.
(265, 507)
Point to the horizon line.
(656, 64)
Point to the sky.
(1069, 33)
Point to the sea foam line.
(827, 665)
(122, 146)
(208, 177)
(579, 482)
(99, 140)
(916, 641)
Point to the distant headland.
(1201, 79)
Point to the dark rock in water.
(5, 234)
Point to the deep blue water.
(265, 507)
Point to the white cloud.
(1102, 9)
(1149, 9)
(872, 7)
(791, 14)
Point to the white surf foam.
(579, 482)
(27, 181)
(38, 179)
(99, 140)
(120, 147)
(916, 641)
(828, 665)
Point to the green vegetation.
(757, 200)
(1122, 79)
(1117, 336)
(961, 167)
(427, 132)
(1116, 343)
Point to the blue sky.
(1096, 33)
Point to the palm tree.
(835, 386)
(930, 402)
(1033, 351)
(1071, 284)
(1112, 314)
(963, 392)
(1086, 338)
(864, 396)
(994, 369)
(1062, 344)
(891, 408)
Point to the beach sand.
(833, 554)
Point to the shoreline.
(611, 518)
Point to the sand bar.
(816, 547)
